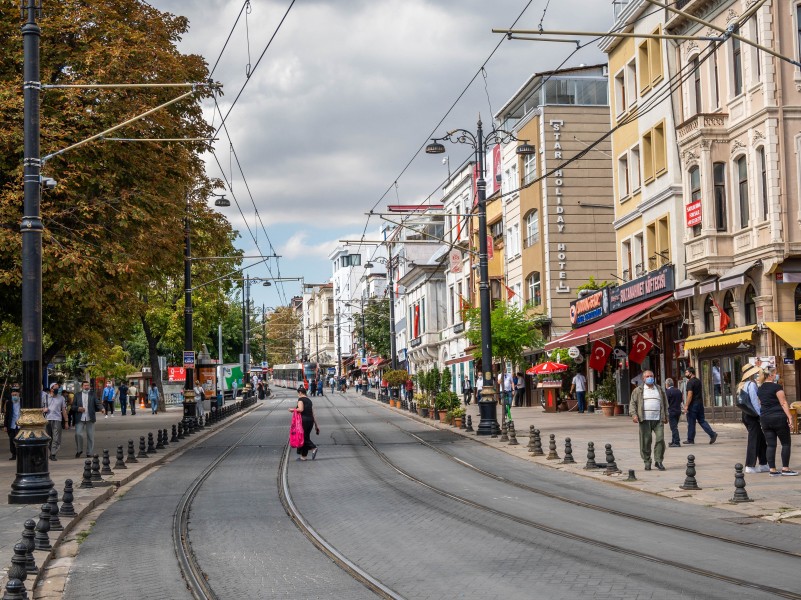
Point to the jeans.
(87, 427)
(695, 414)
(154, 406)
(756, 448)
(124, 404)
(53, 429)
(580, 398)
(775, 426)
(674, 428)
(649, 429)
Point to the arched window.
(750, 306)
(742, 185)
(798, 302)
(534, 289)
(763, 181)
(719, 177)
(728, 308)
(532, 228)
(695, 193)
(709, 316)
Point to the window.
(330, 334)
(518, 299)
(654, 152)
(695, 193)
(798, 28)
(709, 316)
(716, 79)
(513, 241)
(529, 168)
(623, 176)
(631, 83)
(496, 229)
(625, 258)
(647, 146)
(757, 56)
(697, 85)
(639, 256)
(352, 260)
(763, 181)
(655, 55)
(719, 177)
(451, 303)
(532, 228)
(634, 168)
(750, 306)
(330, 306)
(644, 65)
(737, 64)
(620, 93)
(742, 178)
(798, 302)
(728, 308)
(534, 290)
(586, 91)
(649, 60)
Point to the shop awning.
(686, 289)
(603, 328)
(709, 284)
(736, 276)
(737, 335)
(790, 332)
(791, 269)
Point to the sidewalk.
(774, 498)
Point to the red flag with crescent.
(640, 347)
(599, 356)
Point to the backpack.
(743, 402)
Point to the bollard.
(120, 463)
(552, 455)
(96, 469)
(740, 495)
(67, 497)
(151, 448)
(142, 453)
(106, 470)
(689, 481)
(180, 431)
(55, 522)
(631, 476)
(469, 423)
(19, 561)
(28, 536)
(207, 419)
(86, 482)
(174, 437)
(504, 432)
(537, 451)
(568, 453)
(41, 538)
(513, 434)
(463, 425)
(15, 590)
(159, 440)
(611, 465)
(530, 446)
(165, 437)
(131, 453)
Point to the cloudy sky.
(345, 97)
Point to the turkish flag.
(724, 318)
(640, 347)
(599, 356)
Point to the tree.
(283, 333)
(376, 326)
(111, 364)
(445, 386)
(512, 332)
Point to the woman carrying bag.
(306, 412)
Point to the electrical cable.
(228, 39)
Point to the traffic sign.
(189, 358)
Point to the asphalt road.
(423, 542)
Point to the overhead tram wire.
(228, 39)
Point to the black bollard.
(174, 437)
(96, 469)
(740, 495)
(180, 428)
(159, 440)
(689, 481)
(28, 537)
(469, 423)
(19, 561)
(530, 446)
(537, 451)
(15, 590)
(552, 455)
(55, 522)
(41, 538)
(142, 453)
(206, 417)
(86, 482)
(120, 463)
(131, 453)
(568, 460)
(611, 465)
(67, 509)
(504, 432)
(463, 426)
(165, 437)
(106, 470)
(590, 464)
(513, 434)
(631, 476)
(151, 448)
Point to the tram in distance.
(293, 374)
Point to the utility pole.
(190, 407)
(339, 350)
(264, 334)
(32, 483)
(392, 342)
(220, 357)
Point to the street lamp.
(479, 142)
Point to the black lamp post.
(190, 406)
(479, 142)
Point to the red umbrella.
(546, 368)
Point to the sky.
(347, 95)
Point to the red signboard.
(490, 247)
(176, 374)
(693, 212)
(495, 184)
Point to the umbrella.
(546, 368)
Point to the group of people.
(512, 388)
(314, 387)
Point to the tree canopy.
(512, 332)
(376, 326)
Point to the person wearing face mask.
(11, 413)
(649, 409)
(774, 417)
(756, 447)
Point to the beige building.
(319, 324)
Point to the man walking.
(694, 408)
(200, 399)
(467, 390)
(153, 398)
(108, 399)
(648, 407)
(11, 413)
(87, 405)
(131, 395)
(55, 412)
(674, 412)
(579, 387)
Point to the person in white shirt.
(55, 412)
(649, 408)
(200, 398)
(479, 387)
(579, 387)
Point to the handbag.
(296, 438)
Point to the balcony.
(689, 6)
(702, 125)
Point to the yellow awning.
(790, 332)
(713, 340)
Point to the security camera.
(49, 183)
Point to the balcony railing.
(639, 270)
(703, 124)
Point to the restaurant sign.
(589, 308)
(653, 284)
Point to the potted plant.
(457, 415)
(422, 405)
(605, 395)
(395, 379)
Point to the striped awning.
(738, 335)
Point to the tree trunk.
(153, 355)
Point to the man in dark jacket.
(11, 414)
(86, 406)
(674, 399)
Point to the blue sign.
(189, 358)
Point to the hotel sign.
(653, 284)
(693, 213)
(589, 308)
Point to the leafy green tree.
(111, 364)
(512, 332)
(376, 326)
(446, 379)
(283, 334)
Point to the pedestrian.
(306, 410)
(313, 387)
(11, 414)
(579, 387)
(260, 390)
(520, 389)
(694, 408)
(467, 390)
(508, 390)
(122, 394)
(200, 400)
(320, 387)
(674, 399)
(332, 383)
(55, 412)
(756, 446)
(153, 398)
(774, 416)
(108, 399)
(87, 406)
(479, 387)
(409, 390)
(648, 407)
(69, 397)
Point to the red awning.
(603, 328)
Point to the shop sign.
(189, 358)
(653, 284)
(589, 308)
(176, 374)
(789, 361)
(558, 182)
(693, 213)
(416, 342)
(455, 259)
(573, 352)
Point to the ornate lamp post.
(479, 142)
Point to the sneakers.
(752, 470)
(106, 417)
(647, 466)
(674, 445)
(763, 469)
(314, 453)
(714, 438)
(53, 457)
(660, 466)
(789, 473)
(78, 454)
(775, 473)
(687, 442)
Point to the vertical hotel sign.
(558, 184)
